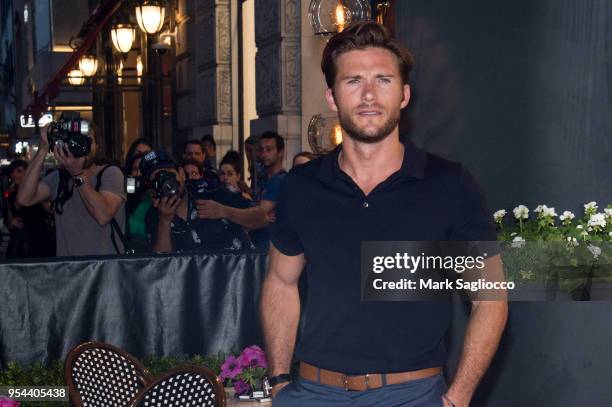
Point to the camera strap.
(115, 229)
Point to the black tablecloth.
(196, 304)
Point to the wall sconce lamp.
(329, 17)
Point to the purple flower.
(253, 356)
(7, 402)
(230, 368)
(241, 387)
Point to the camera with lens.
(165, 184)
(72, 133)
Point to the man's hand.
(17, 223)
(271, 216)
(448, 402)
(166, 207)
(277, 388)
(208, 209)
(73, 165)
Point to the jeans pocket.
(282, 391)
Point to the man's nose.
(369, 92)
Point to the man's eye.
(385, 80)
(352, 81)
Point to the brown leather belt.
(362, 382)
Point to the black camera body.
(165, 184)
(73, 133)
(207, 187)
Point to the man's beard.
(353, 131)
(89, 161)
(270, 163)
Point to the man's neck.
(91, 171)
(370, 164)
(273, 170)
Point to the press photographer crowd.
(151, 203)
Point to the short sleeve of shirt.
(473, 221)
(273, 187)
(113, 181)
(282, 234)
(52, 180)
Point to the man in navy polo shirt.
(373, 187)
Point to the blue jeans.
(425, 392)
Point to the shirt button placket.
(366, 205)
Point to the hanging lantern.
(139, 67)
(329, 17)
(75, 77)
(88, 65)
(150, 15)
(123, 36)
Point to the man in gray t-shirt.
(83, 215)
(76, 231)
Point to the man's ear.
(331, 99)
(406, 96)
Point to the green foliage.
(52, 374)
(36, 374)
(158, 365)
(565, 248)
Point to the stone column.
(213, 89)
(278, 72)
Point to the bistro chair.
(187, 386)
(99, 374)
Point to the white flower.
(610, 234)
(513, 234)
(521, 212)
(584, 234)
(590, 207)
(579, 227)
(543, 210)
(597, 220)
(608, 212)
(572, 241)
(518, 242)
(498, 216)
(596, 251)
(567, 215)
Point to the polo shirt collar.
(413, 164)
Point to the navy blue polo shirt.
(322, 213)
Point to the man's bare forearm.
(27, 190)
(484, 330)
(97, 205)
(163, 243)
(250, 218)
(280, 314)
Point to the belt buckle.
(345, 381)
(367, 381)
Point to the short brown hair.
(359, 36)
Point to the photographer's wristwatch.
(78, 180)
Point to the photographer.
(87, 197)
(173, 224)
